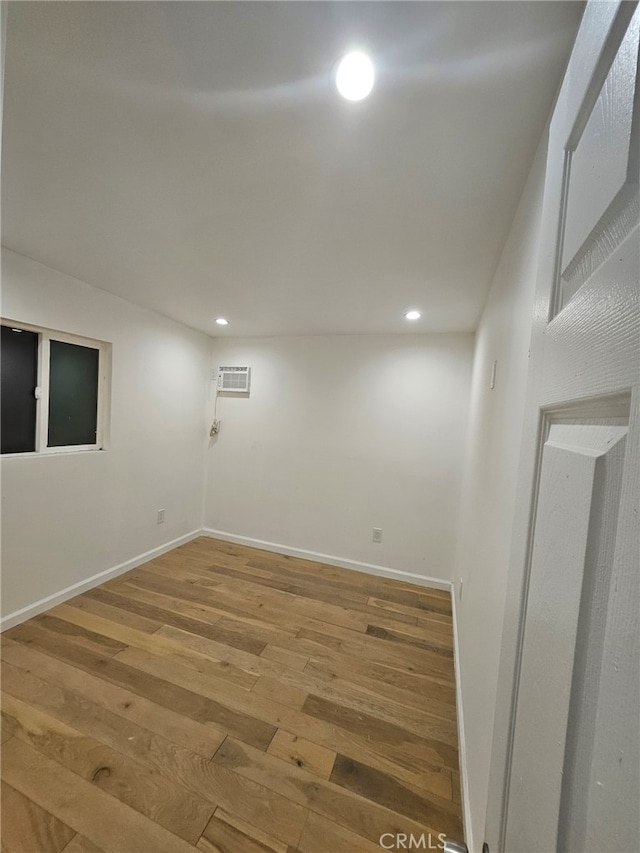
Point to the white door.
(566, 750)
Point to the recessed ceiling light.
(413, 315)
(355, 76)
(222, 322)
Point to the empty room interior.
(320, 427)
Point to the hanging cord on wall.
(215, 426)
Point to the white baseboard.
(329, 559)
(462, 754)
(88, 583)
(49, 601)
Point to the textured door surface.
(566, 756)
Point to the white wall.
(490, 480)
(341, 434)
(67, 517)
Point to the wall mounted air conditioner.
(234, 379)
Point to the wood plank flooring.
(230, 700)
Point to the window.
(53, 389)
(19, 380)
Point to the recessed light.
(222, 322)
(413, 315)
(355, 76)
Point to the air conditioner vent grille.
(234, 379)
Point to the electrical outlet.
(215, 428)
(377, 534)
(160, 516)
(460, 589)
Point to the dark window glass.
(73, 394)
(18, 379)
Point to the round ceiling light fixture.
(355, 76)
(222, 322)
(413, 315)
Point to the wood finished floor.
(230, 700)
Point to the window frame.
(45, 336)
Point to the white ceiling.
(195, 157)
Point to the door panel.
(599, 174)
(565, 771)
(580, 484)
(579, 356)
